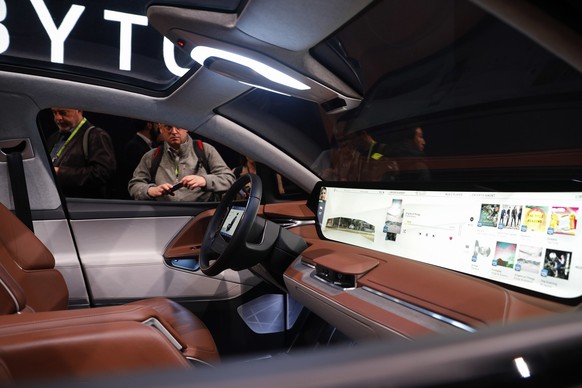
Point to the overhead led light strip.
(201, 53)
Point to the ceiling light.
(201, 53)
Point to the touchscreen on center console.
(526, 239)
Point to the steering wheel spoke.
(218, 244)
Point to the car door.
(113, 250)
(121, 247)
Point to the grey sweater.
(218, 179)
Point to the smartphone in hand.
(176, 187)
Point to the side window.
(278, 188)
(275, 186)
(85, 149)
(99, 159)
(287, 190)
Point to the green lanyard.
(177, 163)
(176, 159)
(59, 152)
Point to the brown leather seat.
(30, 283)
(59, 353)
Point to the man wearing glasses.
(181, 169)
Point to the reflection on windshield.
(451, 95)
(357, 156)
(471, 99)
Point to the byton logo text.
(58, 34)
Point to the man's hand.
(190, 181)
(193, 181)
(158, 191)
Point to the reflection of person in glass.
(407, 147)
(229, 226)
(347, 154)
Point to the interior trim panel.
(397, 298)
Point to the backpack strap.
(86, 142)
(155, 163)
(199, 150)
(203, 160)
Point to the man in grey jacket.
(179, 163)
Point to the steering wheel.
(230, 227)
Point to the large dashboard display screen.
(525, 239)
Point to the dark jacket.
(133, 151)
(80, 175)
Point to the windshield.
(465, 151)
(453, 94)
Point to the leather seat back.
(30, 266)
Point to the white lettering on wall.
(170, 59)
(57, 35)
(4, 35)
(126, 21)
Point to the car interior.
(414, 206)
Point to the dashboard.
(393, 262)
